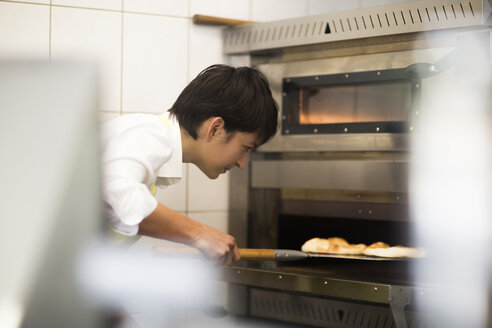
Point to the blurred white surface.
(451, 183)
(49, 201)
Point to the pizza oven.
(350, 88)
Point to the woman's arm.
(165, 223)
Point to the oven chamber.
(339, 163)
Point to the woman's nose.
(241, 162)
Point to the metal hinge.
(399, 297)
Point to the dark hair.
(241, 96)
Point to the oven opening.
(362, 102)
(380, 102)
(294, 230)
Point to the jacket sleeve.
(130, 165)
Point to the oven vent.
(321, 312)
(406, 17)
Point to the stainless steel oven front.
(338, 165)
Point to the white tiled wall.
(95, 4)
(263, 11)
(160, 7)
(323, 6)
(93, 35)
(24, 31)
(155, 61)
(237, 9)
(211, 195)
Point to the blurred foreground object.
(50, 200)
(451, 181)
(137, 282)
(56, 271)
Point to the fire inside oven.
(360, 102)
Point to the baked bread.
(339, 246)
(378, 244)
(333, 245)
(394, 251)
(351, 249)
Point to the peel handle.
(247, 254)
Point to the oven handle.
(425, 70)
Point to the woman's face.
(227, 150)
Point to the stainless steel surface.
(358, 257)
(398, 299)
(322, 301)
(336, 175)
(275, 72)
(294, 255)
(322, 312)
(346, 209)
(289, 255)
(316, 285)
(315, 311)
(403, 17)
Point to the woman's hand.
(219, 247)
(166, 223)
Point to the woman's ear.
(215, 127)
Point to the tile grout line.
(188, 71)
(49, 37)
(26, 3)
(97, 9)
(122, 57)
(250, 10)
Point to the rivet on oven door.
(315, 130)
(377, 129)
(316, 77)
(345, 130)
(375, 289)
(325, 283)
(378, 73)
(347, 76)
(280, 277)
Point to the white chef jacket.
(136, 149)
